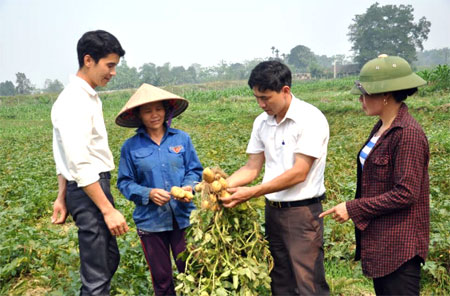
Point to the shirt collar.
(290, 113)
(399, 121)
(141, 130)
(83, 84)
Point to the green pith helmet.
(385, 74)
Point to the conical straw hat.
(147, 93)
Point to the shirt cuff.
(356, 215)
(145, 195)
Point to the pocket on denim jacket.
(143, 159)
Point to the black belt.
(103, 175)
(297, 203)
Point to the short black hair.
(270, 75)
(98, 44)
(401, 95)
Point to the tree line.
(24, 87)
(388, 29)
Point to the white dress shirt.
(80, 141)
(304, 130)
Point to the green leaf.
(221, 292)
(235, 281)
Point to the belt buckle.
(275, 204)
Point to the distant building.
(346, 70)
(301, 76)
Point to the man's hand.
(113, 218)
(59, 208)
(159, 196)
(238, 196)
(115, 222)
(339, 213)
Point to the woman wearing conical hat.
(391, 211)
(154, 160)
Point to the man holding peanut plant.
(290, 138)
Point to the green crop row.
(38, 258)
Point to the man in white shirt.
(83, 162)
(291, 139)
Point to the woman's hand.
(188, 189)
(339, 212)
(159, 196)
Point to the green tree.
(126, 77)
(148, 74)
(236, 71)
(191, 74)
(301, 57)
(433, 57)
(388, 29)
(24, 86)
(324, 62)
(178, 74)
(316, 70)
(164, 76)
(7, 88)
(54, 86)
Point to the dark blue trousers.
(99, 254)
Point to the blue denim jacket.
(144, 165)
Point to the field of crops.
(38, 258)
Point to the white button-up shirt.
(304, 130)
(80, 141)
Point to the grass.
(38, 258)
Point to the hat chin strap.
(169, 118)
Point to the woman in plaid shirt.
(391, 208)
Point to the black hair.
(270, 75)
(98, 44)
(167, 106)
(401, 95)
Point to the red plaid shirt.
(391, 211)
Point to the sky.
(39, 37)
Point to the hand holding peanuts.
(238, 196)
(212, 188)
(159, 196)
(183, 194)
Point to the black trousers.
(404, 281)
(99, 254)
